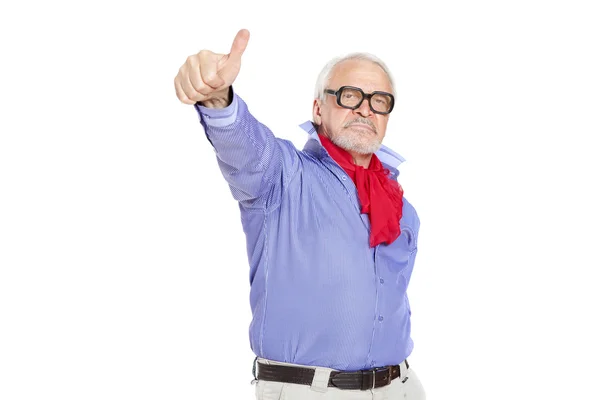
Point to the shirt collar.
(386, 155)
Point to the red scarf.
(380, 197)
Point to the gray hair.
(325, 75)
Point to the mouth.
(362, 126)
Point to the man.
(331, 240)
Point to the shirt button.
(381, 280)
(343, 177)
(381, 318)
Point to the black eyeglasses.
(352, 97)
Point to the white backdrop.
(123, 261)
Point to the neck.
(361, 159)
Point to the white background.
(123, 261)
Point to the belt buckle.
(388, 370)
(373, 372)
(365, 374)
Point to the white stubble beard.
(354, 140)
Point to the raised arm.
(256, 164)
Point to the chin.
(370, 149)
(357, 144)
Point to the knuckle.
(193, 97)
(181, 96)
(202, 55)
(192, 60)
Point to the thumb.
(239, 44)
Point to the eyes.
(352, 97)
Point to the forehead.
(360, 73)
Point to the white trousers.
(400, 388)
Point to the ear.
(317, 111)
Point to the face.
(361, 130)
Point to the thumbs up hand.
(207, 76)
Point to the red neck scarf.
(380, 197)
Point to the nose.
(364, 109)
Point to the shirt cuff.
(219, 117)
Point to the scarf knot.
(380, 196)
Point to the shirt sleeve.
(257, 166)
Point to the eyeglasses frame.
(368, 96)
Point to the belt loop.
(403, 369)
(320, 381)
(255, 380)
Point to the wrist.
(220, 99)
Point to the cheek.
(346, 116)
(337, 118)
(382, 124)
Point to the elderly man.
(331, 239)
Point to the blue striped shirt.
(319, 294)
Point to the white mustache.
(361, 121)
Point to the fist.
(207, 75)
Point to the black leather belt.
(348, 380)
